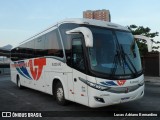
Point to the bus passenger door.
(78, 64)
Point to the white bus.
(91, 62)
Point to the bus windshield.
(114, 52)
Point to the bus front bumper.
(103, 98)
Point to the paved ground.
(13, 99)
(153, 80)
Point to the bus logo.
(35, 67)
(121, 82)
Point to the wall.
(150, 64)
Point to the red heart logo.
(121, 82)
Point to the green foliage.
(142, 48)
(146, 31)
(140, 30)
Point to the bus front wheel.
(59, 94)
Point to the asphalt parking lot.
(14, 99)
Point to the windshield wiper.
(121, 57)
(115, 61)
(126, 56)
(117, 58)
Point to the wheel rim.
(60, 94)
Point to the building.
(98, 15)
(4, 61)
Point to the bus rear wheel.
(59, 94)
(19, 83)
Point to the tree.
(146, 31)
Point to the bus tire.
(59, 94)
(19, 82)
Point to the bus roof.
(78, 21)
(94, 22)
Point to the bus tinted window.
(39, 46)
(53, 45)
(45, 45)
(14, 55)
(30, 49)
(67, 38)
(23, 51)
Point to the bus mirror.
(87, 35)
(149, 42)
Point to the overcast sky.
(20, 19)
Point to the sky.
(20, 19)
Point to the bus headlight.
(97, 86)
(94, 85)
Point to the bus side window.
(39, 46)
(53, 46)
(77, 54)
(14, 55)
(23, 51)
(30, 49)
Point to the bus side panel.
(48, 82)
(13, 73)
(56, 69)
(51, 76)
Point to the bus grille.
(123, 89)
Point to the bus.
(94, 63)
